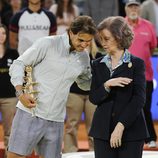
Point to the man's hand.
(27, 100)
(116, 136)
(120, 81)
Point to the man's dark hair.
(83, 24)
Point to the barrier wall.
(154, 108)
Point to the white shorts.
(30, 133)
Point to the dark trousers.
(147, 112)
(102, 149)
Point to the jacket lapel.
(120, 69)
(104, 71)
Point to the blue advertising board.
(154, 108)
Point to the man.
(77, 103)
(142, 46)
(149, 11)
(57, 62)
(30, 24)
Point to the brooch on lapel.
(129, 64)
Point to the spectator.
(122, 4)
(65, 12)
(142, 46)
(149, 11)
(26, 26)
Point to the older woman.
(118, 90)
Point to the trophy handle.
(28, 86)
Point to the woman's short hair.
(119, 29)
(84, 24)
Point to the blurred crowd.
(8, 8)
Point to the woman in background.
(65, 12)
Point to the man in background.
(30, 24)
(143, 46)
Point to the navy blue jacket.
(121, 104)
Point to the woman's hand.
(116, 136)
(120, 81)
(27, 100)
